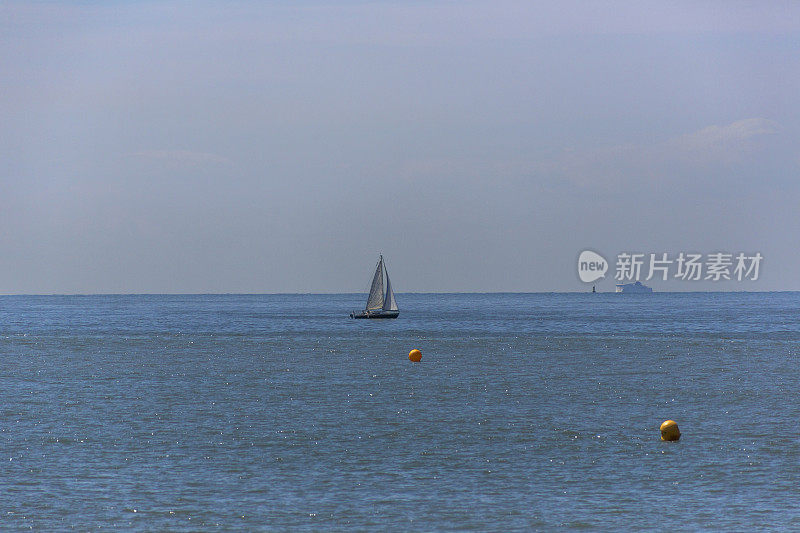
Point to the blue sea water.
(278, 412)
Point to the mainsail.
(389, 303)
(375, 300)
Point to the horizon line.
(364, 292)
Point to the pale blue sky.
(279, 147)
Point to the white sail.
(375, 300)
(389, 303)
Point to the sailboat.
(380, 304)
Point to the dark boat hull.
(375, 314)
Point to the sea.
(528, 412)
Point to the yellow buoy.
(415, 356)
(670, 431)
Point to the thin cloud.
(727, 135)
(634, 164)
(182, 157)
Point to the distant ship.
(379, 304)
(633, 287)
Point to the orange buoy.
(670, 431)
(415, 356)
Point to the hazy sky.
(480, 146)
